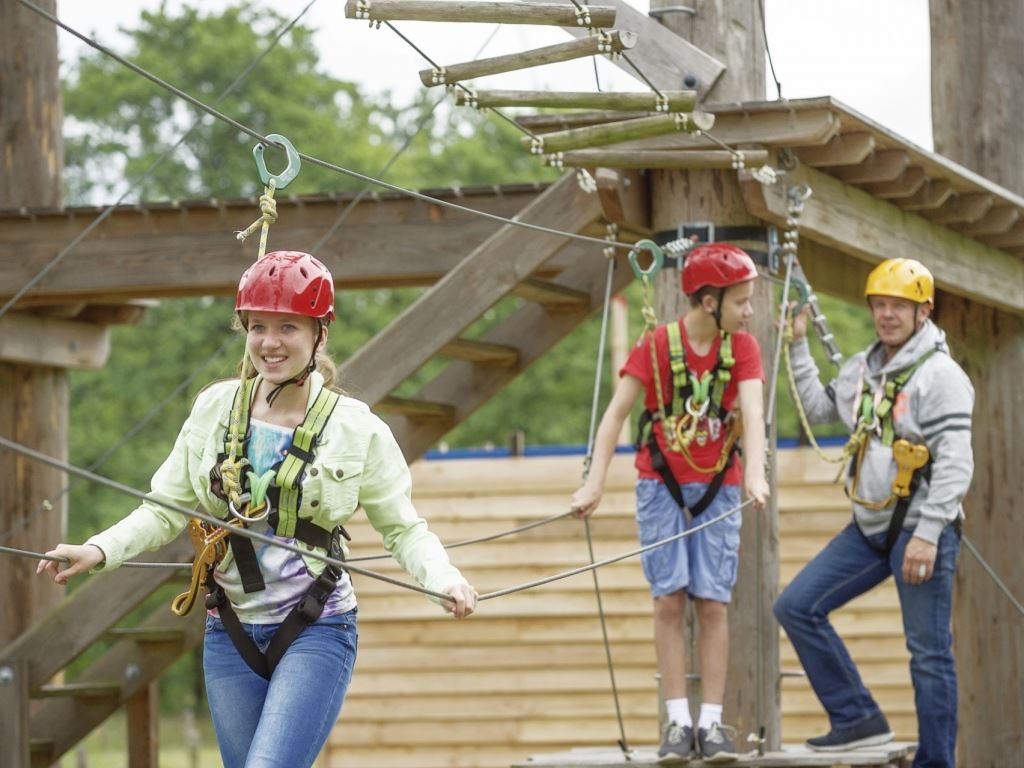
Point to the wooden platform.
(790, 756)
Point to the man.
(908, 406)
(702, 369)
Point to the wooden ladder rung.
(144, 635)
(106, 688)
(420, 410)
(614, 133)
(551, 294)
(656, 158)
(481, 352)
(614, 41)
(673, 101)
(489, 12)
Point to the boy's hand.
(585, 501)
(757, 489)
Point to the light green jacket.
(358, 464)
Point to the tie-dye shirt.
(285, 574)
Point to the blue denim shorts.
(704, 563)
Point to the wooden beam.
(857, 224)
(551, 295)
(645, 101)
(998, 220)
(615, 41)
(843, 149)
(932, 195)
(14, 714)
(625, 199)
(487, 12)
(44, 341)
(487, 274)
(143, 727)
(907, 185)
(418, 410)
(480, 352)
(962, 209)
(165, 250)
(617, 133)
(666, 59)
(663, 158)
(1011, 238)
(886, 165)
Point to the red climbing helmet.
(718, 265)
(287, 281)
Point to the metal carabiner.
(657, 259)
(245, 518)
(282, 179)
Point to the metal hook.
(657, 259)
(281, 180)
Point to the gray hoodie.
(933, 408)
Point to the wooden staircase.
(41, 720)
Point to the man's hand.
(918, 561)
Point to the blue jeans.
(849, 566)
(284, 721)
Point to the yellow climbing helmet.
(903, 278)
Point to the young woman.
(281, 627)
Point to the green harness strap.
(701, 389)
(298, 456)
(868, 411)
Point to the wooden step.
(551, 294)
(488, 12)
(667, 101)
(657, 158)
(620, 131)
(144, 635)
(418, 410)
(614, 41)
(101, 689)
(481, 352)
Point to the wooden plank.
(643, 101)
(962, 209)
(417, 409)
(998, 220)
(884, 165)
(100, 688)
(143, 727)
(480, 11)
(551, 295)
(910, 182)
(137, 252)
(46, 341)
(853, 222)
(1012, 238)
(492, 270)
(638, 158)
(615, 41)
(622, 132)
(480, 352)
(933, 194)
(666, 59)
(843, 149)
(14, 709)
(625, 199)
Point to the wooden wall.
(527, 674)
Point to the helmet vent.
(303, 272)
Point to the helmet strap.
(717, 314)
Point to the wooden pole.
(730, 30)
(485, 11)
(34, 406)
(673, 101)
(638, 158)
(614, 133)
(614, 41)
(980, 128)
(143, 727)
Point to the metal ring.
(282, 179)
(657, 259)
(246, 518)
(699, 412)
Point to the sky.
(872, 55)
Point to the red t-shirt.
(747, 355)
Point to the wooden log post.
(614, 133)
(143, 727)
(481, 11)
(664, 158)
(14, 737)
(673, 101)
(730, 31)
(613, 41)
(980, 128)
(34, 406)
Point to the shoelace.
(716, 734)
(675, 733)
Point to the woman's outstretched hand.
(463, 601)
(82, 559)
